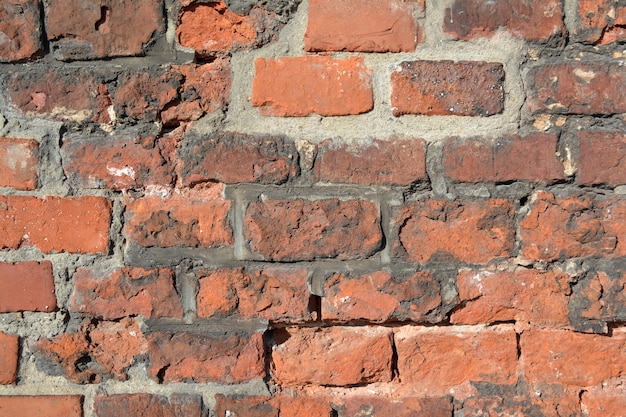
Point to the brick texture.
(9, 352)
(20, 30)
(27, 286)
(135, 405)
(18, 163)
(601, 158)
(41, 405)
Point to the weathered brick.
(578, 225)
(393, 162)
(461, 88)
(139, 405)
(231, 157)
(121, 292)
(289, 230)
(523, 295)
(358, 355)
(603, 403)
(20, 30)
(363, 26)
(9, 352)
(55, 224)
(553, 356)
(508, 158)
(380, 297)
(143, 94)
(499, 400)
(211, 28)
(534, 20)
(274, 294)
(118, 162)
(577, 88)
(41, 405)
(189, 217)
(299, 86)
(405, 406)
(444, 357)
(18, 163)
(103, 28)
(600, 21)
(471, 231)
(278, 405)
(602, 158)
(27, 286)
(186, 356)
(95, 352)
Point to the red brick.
(524, 295)
(600, 21)
(18, 163)
(380, 297)
(564, 357)
(444, 357)
(113, 294)
(299, 86)
(577, 88)
(231, 157)
(140, 405)
(185, 356)
(102, 28)
(599, 297)
(534, 20)
(278, 405)
(436, 88)
(290, 230)
(96, 351)
(210, 28)
(573, 226)
(20, 30)
(9, 352)
(356, 406)
(333, 356)
(602, 158)
(27, 286)
(143, 94)
(189, 217)
(363, 25)
(117, 162)
(508, 158)
(273, 294)
(55, 224)
(41, 405)
(55, 93)
(603, 403)
(394, 162)
(541, 401)
(471, 231)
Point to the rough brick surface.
(144, 94)
(125, 291)
(358, 354)
(382, 407)
(509, 158)
(55, 224)
(300, 86)
(279, 405)
(380, 297)
(231, 157)
(20, 30)
(609, 402)
(599, 299)
(139, 405)
(600, 21)
(289, 230)
(573, 226)
(521, 295)
(185, 356)
(534, 20)
(41, 405)
(602, 158)
(577, 88)
(362, 26)
(447, 357)
(27, 286)
(393, 162)
(101, 28)
(190, 217)
(472, 231)
(434, 88)
(274, 294)
(9, 352)
(95, 352)
(564, 357)
(18, 163)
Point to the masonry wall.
(318, 208)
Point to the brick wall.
(320, 208)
